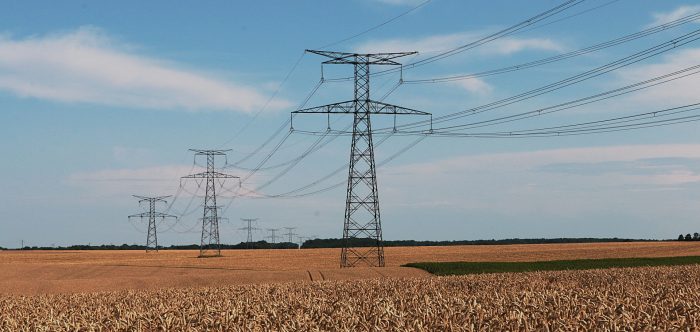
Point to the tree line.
(688, 237)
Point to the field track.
(49, 272)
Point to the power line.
(609, 67)
(489, 38)
(376, 26)
(560, 57)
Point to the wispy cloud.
(87, 66)
(665, 17)
(438, 43)
(675, 93)
(154, 180)
(559, 182)
(474, 85)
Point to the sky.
(102, 100)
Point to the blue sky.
(101, 100)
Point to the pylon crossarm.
(149, 199)
(210, 152)
(377, 107)
(205, 175)
(342, 107)
(348, 107)
(356, 58)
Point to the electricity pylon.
(210, 220)
(290, 234)
(362, 217)
(250, 229)
(152, 215)
(272, 237)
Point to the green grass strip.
(461, 268)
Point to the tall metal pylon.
(250, 229)
(272, 237)
(290, 234)
(210, 220)
(152, 215)
(362, 217)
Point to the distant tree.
(696, 236)
(688, 237)
(680, 237)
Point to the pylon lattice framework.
(362, 217)
(210, 240)
(290, 234)
(152, 215)
(272, 237)
(250, 229)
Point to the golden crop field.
(50, 272)
(633, 299)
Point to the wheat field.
(54, 272)
(632, 299)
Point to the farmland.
(48, 272)
(613, 299)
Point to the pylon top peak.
(364, 58)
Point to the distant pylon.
(152, 215)
(272, 237)
(250, 229)
(290, 234)
(362, 217)
(210, 221)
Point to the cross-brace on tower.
(210, 220)
(152, 215)
(250, 229)
(362, 218)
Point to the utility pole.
(290, 234)
(272, 236)
(362, 217)
(250, 229)
(152, 215)
(210, 220)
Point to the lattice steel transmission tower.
(362, 217)
(210, 220)
(272, 237)
(152, 215)
(250, 229)
(290, 234)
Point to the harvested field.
(46, 272)
(632, 299)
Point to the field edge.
(464, 268)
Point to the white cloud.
(675, 93)
(474, 85)
(439, 43)
(682, 11)
(86, 66)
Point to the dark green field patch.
(460, 268)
